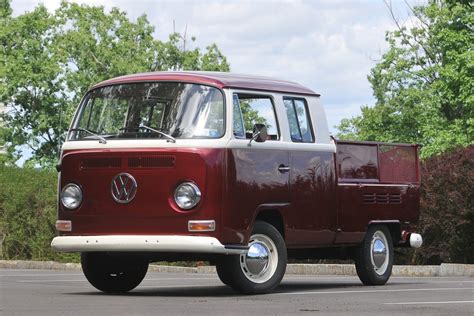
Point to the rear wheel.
(111, 273)
(261, 269)
(374, 257)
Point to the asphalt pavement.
(50, 292)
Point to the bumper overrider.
(415, 240)
(145, 243)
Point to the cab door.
(257, 172)
(312, 180)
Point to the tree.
(49, 60)
(5, 13)
(424, 84)
(250, 116)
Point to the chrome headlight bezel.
(187, 190)
(73, 192)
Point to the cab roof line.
(218, 79)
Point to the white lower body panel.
(145, 243)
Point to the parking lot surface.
(50, 292)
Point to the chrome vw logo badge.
(124, 188)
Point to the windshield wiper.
(169, 137)
(102, 140)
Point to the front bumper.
(145, 243)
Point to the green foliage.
(5, 9)
(424, 84)
(214, 60)
(28, 214)
(49, 60)
(250, 115)
(447, 208)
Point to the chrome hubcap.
(260, 262)
(257, 258)
(379, 254)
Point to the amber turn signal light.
(202, 226)
(64, 226)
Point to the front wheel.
(261, 269)
(374, 257)
(113, 273)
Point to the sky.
(328, 46)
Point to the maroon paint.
(312, 220)
(305, 197)
(220, 80)
(361, 164)
(236, 185)
(253, 184)
(357, 162)
(152, 211)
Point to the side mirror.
(259, 133)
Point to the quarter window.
(298, 119)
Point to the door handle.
(282, 168)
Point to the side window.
(298, 118)
(256, 109)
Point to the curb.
(443, 270)
(41, 265)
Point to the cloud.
(329, 46)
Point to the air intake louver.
(96, 162)
(151, 162)
(369, 198)
(381, 198)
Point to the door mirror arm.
(259, 134)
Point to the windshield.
(150, 110)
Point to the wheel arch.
(272, 216)
(393, 226)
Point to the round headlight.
(71, 196)
(187, 195)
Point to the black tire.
(222, 271)
(373, 268)
(113, 273)
(236, 270)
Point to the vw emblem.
(124, 188)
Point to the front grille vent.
(151, 162)
(381, 198)
(100, 162)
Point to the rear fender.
(393, 225)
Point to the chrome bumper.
(166, 243)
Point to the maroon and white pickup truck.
(237, 170)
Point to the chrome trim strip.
(284, 169)
(372, 185)
(145, 243)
